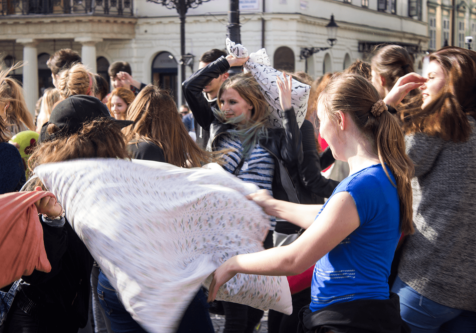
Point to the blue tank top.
(359, 267)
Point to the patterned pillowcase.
(159, 231)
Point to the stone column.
(30, 72)
(88, 51)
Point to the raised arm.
(291, 150)
(193, 91)
(338, 220)
(310, 168)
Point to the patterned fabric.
(159, 231)
(259, 66)
(258, 167)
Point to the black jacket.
(360, 316)
(284, 144)
(65, 290)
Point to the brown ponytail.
(354, 95)
(75, 81)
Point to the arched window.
(327, 64)
(44, 73)
(102, 66)
(284, 59)
(164, 72)
(347, 61)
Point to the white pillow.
(159, 231)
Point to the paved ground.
(219, 323)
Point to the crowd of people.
(382, 243)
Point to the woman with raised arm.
(354, 235)
(436, 274)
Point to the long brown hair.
(249, 89)
(156, 120)
(446, 116)
(17, 112)
(97, 139)
(3, 132)
(126, 95)
(356, 96)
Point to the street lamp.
(306, 52)
(182, 6)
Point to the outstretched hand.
(221, 275)
(236, 62)
(404, 85)
(285, 90)
(263, 199)
(48, 205)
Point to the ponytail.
(17, 112)
(354, 95)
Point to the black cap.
(70, 115)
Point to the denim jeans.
(425, 316)
(195, 319)
(101, 322)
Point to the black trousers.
(281, 323)
(26, 317)
(240, 318)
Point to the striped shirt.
(258, 167)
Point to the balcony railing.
(68, 7)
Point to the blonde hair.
(75, 81)
(48, 101)
(17, 112)
(249, 89)
(156, 120)
(357, 97)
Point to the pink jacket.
(21, 236)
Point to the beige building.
(147, 35)
(450, 27)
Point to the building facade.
(147, 35)
(450, 22)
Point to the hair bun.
(378, 108)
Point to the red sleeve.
(301, 281)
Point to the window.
(461, 33)
(446, 31)
(414, 9)
(432, 30)
(382, 5)
(392, 6)
(284, 59)
(365, 3)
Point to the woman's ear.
(341, 120)
(382, 80)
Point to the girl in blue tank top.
(353, 237)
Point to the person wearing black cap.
(58, 302)
(69, 116)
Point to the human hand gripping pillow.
(259, 66)
(159, 231)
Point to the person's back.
(358, 268)
(443, 192)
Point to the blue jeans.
(195, 319)
(425, 316)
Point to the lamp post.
(182, 7)
(306, 52)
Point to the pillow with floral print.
(159, 231)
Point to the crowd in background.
(370, 199)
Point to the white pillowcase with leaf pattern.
(159, 231)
